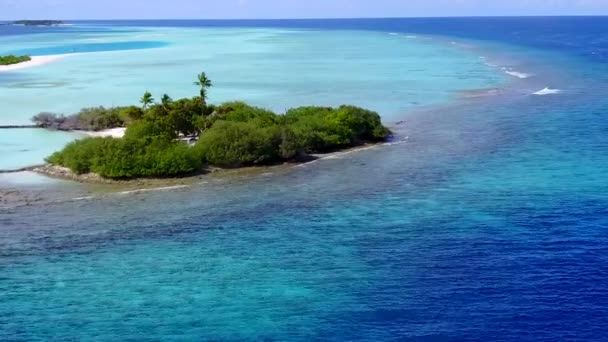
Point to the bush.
(131, 113)
(319, 129)
(364, 124)
(88, 119)
(295, 114)
(234, 144)
(100, 118)
(123, 158)
(81, 155)
(151, 129)
(184, 114)
(242, 112)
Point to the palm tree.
(166, 100)
(204, 83)
(146, 100)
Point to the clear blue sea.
(485, 220)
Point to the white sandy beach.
(112, 132)
(36, 61)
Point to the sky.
(262, 9)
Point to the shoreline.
(63, 173)
(34, 62)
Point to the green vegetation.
(11, 59)
(128, 157)
(233, 134)
(37, 22)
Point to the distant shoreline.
(34, 62)
(18, 126)
(36, 23)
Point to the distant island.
(11, 59)
(174, 138)
(37, 22)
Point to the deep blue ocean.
(487, 222)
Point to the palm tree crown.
(147, 99)
(204, 82)
(166, 99)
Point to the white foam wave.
(153, 189)
(99, 40)
(393, 33)
(337, 155)
(547, 91)
(83, 198)
(307, 163)
(518, 74)
(398, 142)
(411, 37)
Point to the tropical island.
(175, 138)
(38, 22)
(11, 59)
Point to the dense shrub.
(100, 118)
(296, 114)
(79, 155)
(152, 128)
(131, 113)
(124, 158)
(242, 112)
(235, 144)
(318, 129)
(184, 114)
(245, 135)
(364, 125)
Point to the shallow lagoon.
(273, 68)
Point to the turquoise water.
(87, 48)
(273, 68)
(484, 221)
(26, 147)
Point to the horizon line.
(335, 18)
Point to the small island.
(176, 138)
(11, 59)
(38, 22)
